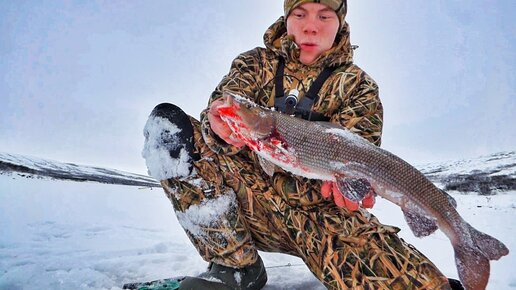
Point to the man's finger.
(369, 200)
(351, 205)
(338, 198)
(326, 189)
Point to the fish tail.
(490, 247)
(472, 258)
(473, 268)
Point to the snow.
(197, 217)
(501, 163)
(81, 235)
(158, 132)
(238, 278)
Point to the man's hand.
(220, 127)
(329, 188)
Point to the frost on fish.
(291, 165)
(349, 136)
(197, 218)
(160, 139)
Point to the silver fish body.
(327, 151)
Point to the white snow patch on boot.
(156, 152)
(198, 217)
(238, 278)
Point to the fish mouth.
(231, 108)
(250, 118)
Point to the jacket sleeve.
(243, 80)
(362, 111)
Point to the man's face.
(314, 27)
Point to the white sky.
(78, 78)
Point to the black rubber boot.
(218, 277)
(174, 136)
(176, 116)
(455, 284)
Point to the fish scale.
(330, 152)
(317, 149)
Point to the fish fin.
(472, 267)
(419, 224)
(472, 257)
(452, 200)
(354, 189)
(490, 247)
(267, 166)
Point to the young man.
(306, 69)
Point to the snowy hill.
(43, 168)
(56, 233)
(485, 175)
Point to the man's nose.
(310, 27)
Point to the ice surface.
(159, 139)
(65, 235)
(69, 235)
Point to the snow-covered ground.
(57, 234)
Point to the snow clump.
(159, 140)
(203, 215)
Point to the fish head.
(246, 119)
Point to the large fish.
(325, 151)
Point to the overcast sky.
(78, 78)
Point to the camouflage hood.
(277, 40)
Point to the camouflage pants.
(230, 209)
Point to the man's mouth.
(308, 45)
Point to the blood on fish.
(275, 145)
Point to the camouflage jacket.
(349, 96)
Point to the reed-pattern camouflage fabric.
(285, 213)
(348, 97)
(345, 250)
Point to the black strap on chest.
(302, 109)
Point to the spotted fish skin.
(326, 151)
